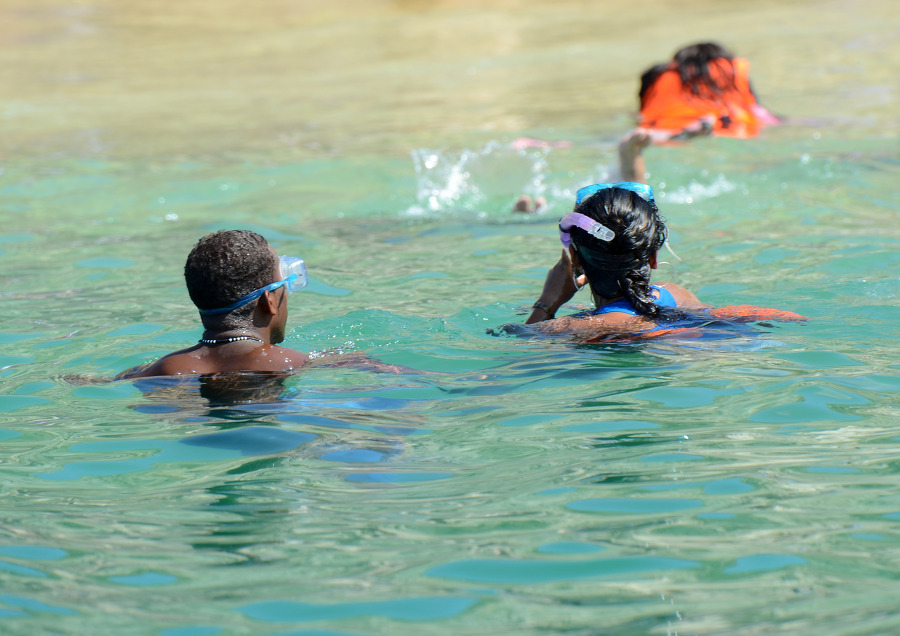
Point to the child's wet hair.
(692, 65)
(693, 62)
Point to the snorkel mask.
(598, 230)
(294, 277)
(293, 271)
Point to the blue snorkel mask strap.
(292, 268)
(243, 300)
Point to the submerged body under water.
(739, 482)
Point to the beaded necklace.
(215, 341)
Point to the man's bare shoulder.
(184, 362)
(283, 359)
(199, 360)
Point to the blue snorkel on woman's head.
(604, 211)
(592, 226)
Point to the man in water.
(240, 286)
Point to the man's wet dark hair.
(692, 64)
(621, 267)
(223, 267)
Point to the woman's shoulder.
(684, 299)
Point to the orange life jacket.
(669, 105)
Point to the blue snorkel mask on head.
(641, 189)
(589, 225)
(592, 227)
(294, 277)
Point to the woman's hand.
(559, 287)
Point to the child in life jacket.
(703, 90)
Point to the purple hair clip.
(586, 223)
(589, 225)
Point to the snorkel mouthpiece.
(586, 223)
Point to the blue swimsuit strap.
(624, 306)
(618, 307)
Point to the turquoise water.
(741, 483)
(701, 486)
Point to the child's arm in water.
(632, 166)
(631, 158)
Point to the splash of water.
(694, 191)
(443, 180)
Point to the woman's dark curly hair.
(621, 267)
(226, 265)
